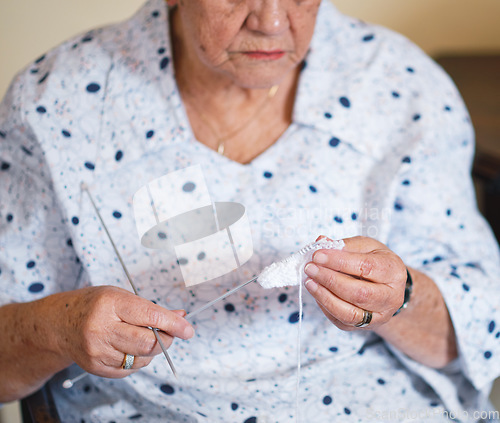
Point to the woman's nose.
(268, 17)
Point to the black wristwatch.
(408, 289)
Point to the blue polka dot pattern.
(43, 78)
(294, 317)
(164, 63)
(36, 287)
(327, 400)
(40, 59)
(167, 389)
(189, 187)
(345, 102)
(282, 298)
(93, 87)
(334, 142)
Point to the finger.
(140, 312)
(137, 340)
(335, 321)
(363, 244)
(110, 365)
(363, 294)
(139, 363)
(381, 267)
(346, 313)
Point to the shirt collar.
(336, 68)
(333, 88)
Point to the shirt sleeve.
(437, 229)
(36, 254)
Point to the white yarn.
(290, 271)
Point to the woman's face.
(253, 42)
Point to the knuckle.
(366, 268)
(363, 295)
(146, 343)
(343, 264)
(154, 317)
(330, 279)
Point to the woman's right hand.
(99, 325)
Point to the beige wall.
(30, 27)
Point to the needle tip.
(83, 186)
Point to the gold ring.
(367, 318)
(128, 362)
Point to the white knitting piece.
(290, 271)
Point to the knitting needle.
(227, 294)
(68, 383)
(84, 187)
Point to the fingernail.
(320, 258)
(311, 270)
(188, 332)
(181, 313)
(311, 285)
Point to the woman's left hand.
(364, 276)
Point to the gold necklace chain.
(221, 146)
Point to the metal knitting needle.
(68, 383)
(227, 294)
(84, 187)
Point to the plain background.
(28, 28)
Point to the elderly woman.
(316, 122)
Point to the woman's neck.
(218, 108)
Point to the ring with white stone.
(128, 362)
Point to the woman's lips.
(265, 55)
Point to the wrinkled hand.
(101, 324)
(364, 275)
